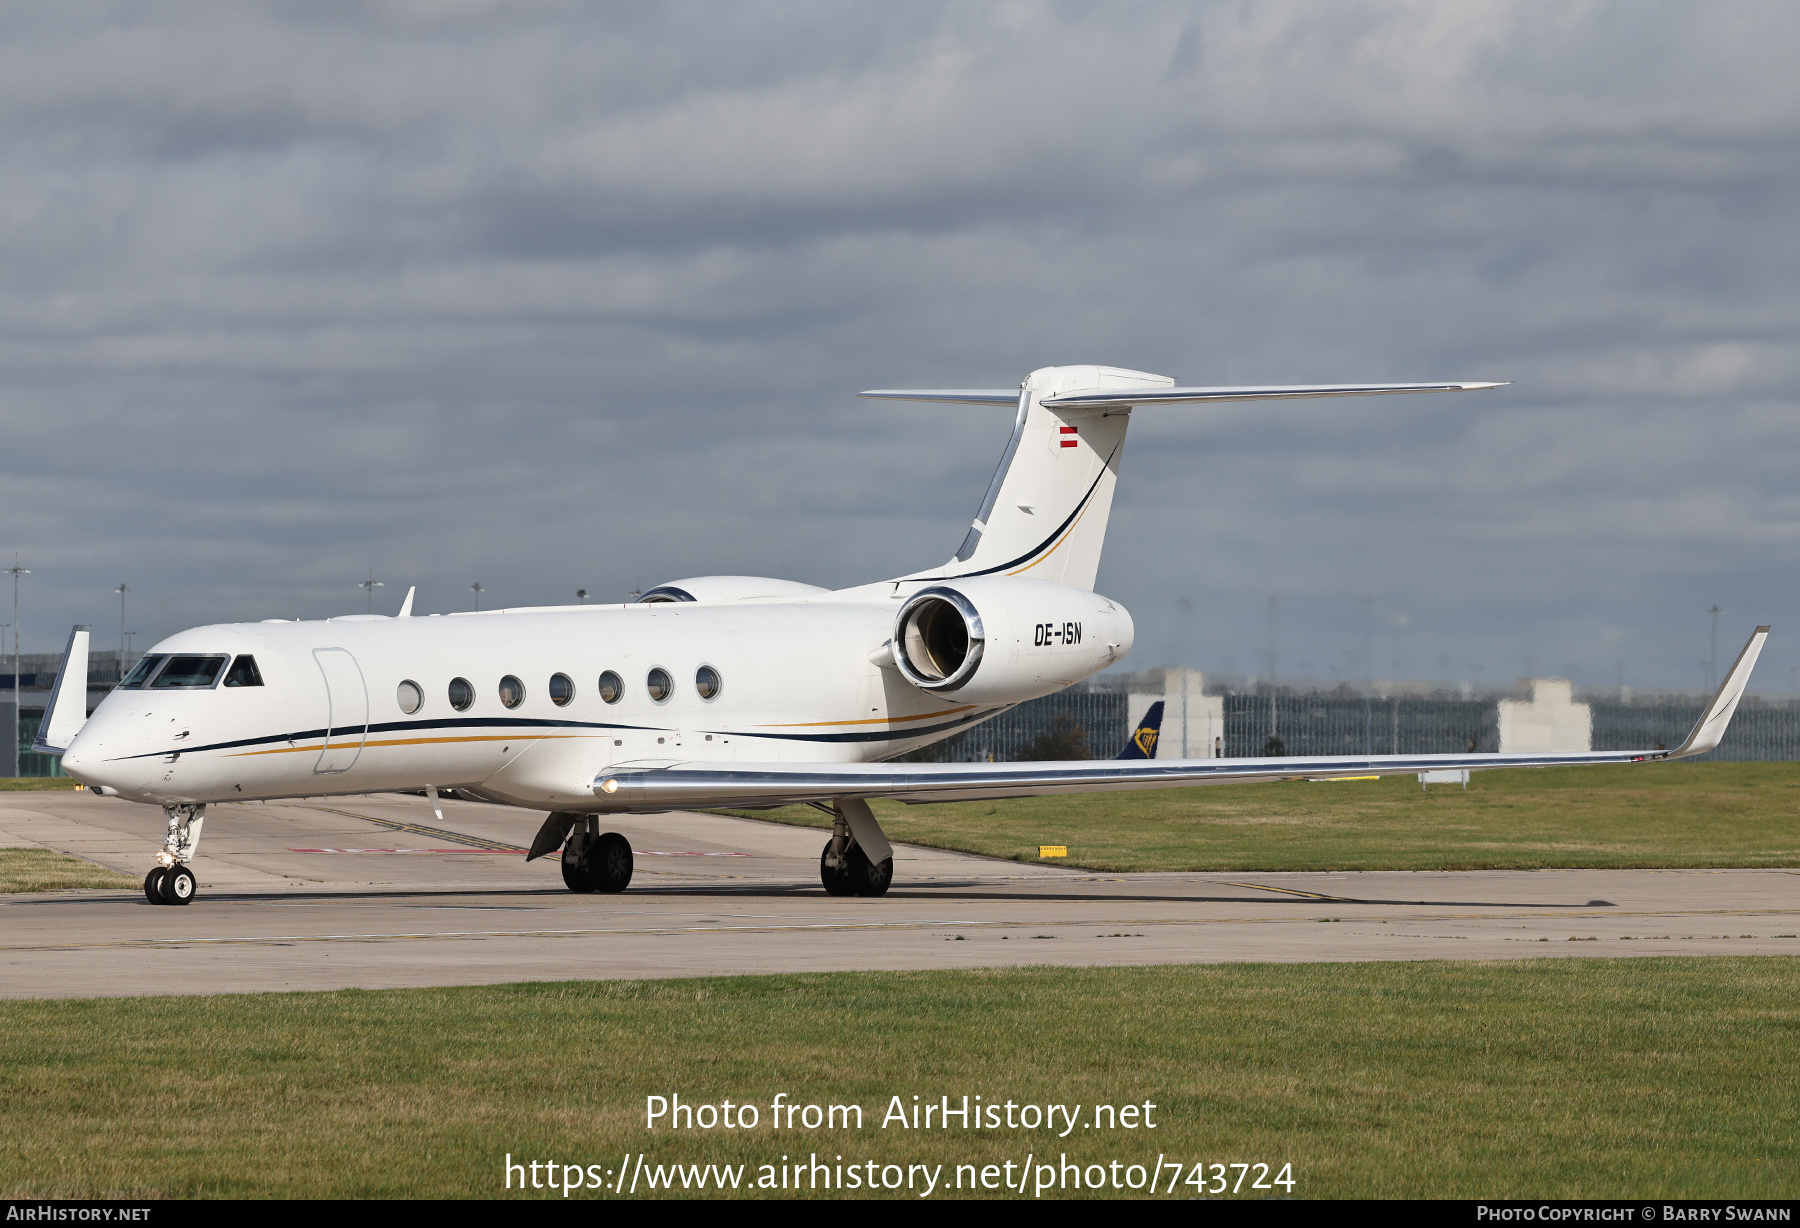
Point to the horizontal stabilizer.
(1104, 397)
(956, 396)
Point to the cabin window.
(411, 696)
(189, 671)
(659, 684)
(243, 672)
(612, 687)
(706, 681)
(512, 691)
(461, 694)
(562, 690)
(140, 673)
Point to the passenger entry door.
(347, 710)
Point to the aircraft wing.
(687, 785)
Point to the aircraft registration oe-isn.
(714, 691)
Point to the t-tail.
(1045, 511)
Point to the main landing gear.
(597, 863)
(845, 867)
(170, 881)
(591, 860)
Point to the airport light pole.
(369, 586)
(1274, 656)
(1712, 658)
(15, 571)
(121, 590)
(477, 590)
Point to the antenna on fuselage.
(406, 606)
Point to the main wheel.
(153, 885)
(178, 885)
(869, 878)
(836, 880)
(611, 863)
(578, 861)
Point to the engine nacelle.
(1004, 639)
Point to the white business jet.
(713, 691)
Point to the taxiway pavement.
(376, 892)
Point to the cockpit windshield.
(189, 671)
(244, 673)
(143, 669)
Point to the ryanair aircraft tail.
(1143, 738)
(1046, 509)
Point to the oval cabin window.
(461, 694)
(410, 696)
(512, 691)
(612, 687)
(659, 684)
(706, 681)
(562, 690)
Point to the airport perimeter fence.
(1056, 726)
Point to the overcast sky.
(553, 296)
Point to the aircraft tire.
(153, 885)
(870, 878)
(178, 885)
(578, 863)
(611, 863)
(837, 882)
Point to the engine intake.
(1005, 639)
(940, 639)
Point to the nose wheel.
(170, 881)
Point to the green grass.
(36, 784)
(44, 870)
(1654, 1077)
(1705, 814)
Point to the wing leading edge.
(684, 786)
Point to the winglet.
(406, 606)
(1143, 738)
(66, 712)
(1710, 728)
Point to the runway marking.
(415, 829)
(501, 852)
(1307, 895)
(843, 926)
(657, 853)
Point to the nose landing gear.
(170, 881)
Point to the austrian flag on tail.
(1069, 443)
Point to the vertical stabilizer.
(1046, 509)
